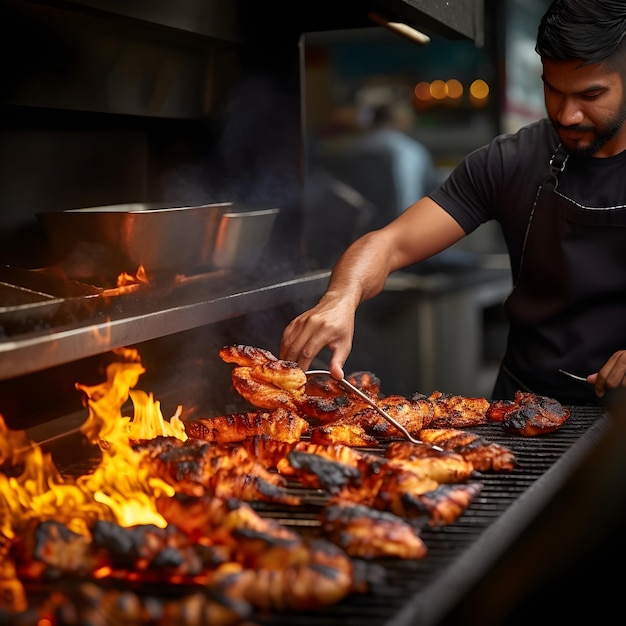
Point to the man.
(411, 164)
(558, 189)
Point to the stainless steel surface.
(241, 237)
(355, 390)
(122, 237)
(581, 379)
(191, 308)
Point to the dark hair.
(589, 30)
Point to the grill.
(460, 554)
(450, 581)
(422, 592)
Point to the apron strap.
(557, 165)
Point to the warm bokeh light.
(479, 89)
(455, 88)
(438, 89)
(450, 93)
(422, 91)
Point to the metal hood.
(461, 19)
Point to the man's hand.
(611, 375)
(328, 324)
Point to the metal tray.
(163, 240)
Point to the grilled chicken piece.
(215, 519)
(453, 411)
(529, 414)
(195, 466)
(484, 455)
(270, 383)
(380, 486)
(411, 496)
(285, 375)
(262, 379)
(318, 472)
(366, 381)
(260, 393)
(412, 414)
(327, 401)
(440, 506)
(442, 466)
(151, 553)
(366, 426)
(325, 578)
(233, 484)
(346, 432)
(89, 603)
(281, 424)
(498, 409)
(368, 533)
(267, 450)
(246, 356)
(334, 452)
(324, 386)
(328, 410)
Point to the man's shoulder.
(539, 134)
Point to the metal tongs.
(581, 379)
(344, 383)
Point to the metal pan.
(122, 237)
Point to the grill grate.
(459, 554)
(420, 592)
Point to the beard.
(602, 135)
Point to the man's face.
(586, 106)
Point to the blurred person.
(412, 167)
(557, 189)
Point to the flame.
(125, 279)
(120, 489)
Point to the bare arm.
(418, 233)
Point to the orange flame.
(125, 278)
(120, 489)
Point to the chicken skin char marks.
(195, 467)
(365, 427)
(443, 466)
(268, 382)
(275, 568)
(453, 411)
(368, 533)
(529, 414)
(89, 603)
(383, 485)
(484, 455)
(327, 577)
(281, 424)
(304, 573)
(324, 386)
(248, 356)
(145, 554)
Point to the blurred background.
(446, 98)
(322, 111)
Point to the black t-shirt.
(500, 180)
